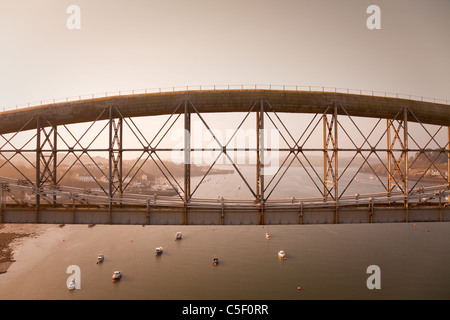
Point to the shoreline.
(10, 236)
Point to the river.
(325, 261)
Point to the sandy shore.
(11, 235)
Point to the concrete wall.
(179, 216)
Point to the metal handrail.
(98, 198)
(91, 96)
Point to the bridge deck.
(222, 101)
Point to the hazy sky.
(124, 45)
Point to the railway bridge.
(330, 135)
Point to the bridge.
(53, 138)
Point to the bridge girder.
(207, 101)
(328, 107)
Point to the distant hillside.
(419, 165)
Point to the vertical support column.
(38, 168)
(47, 156)
(405, 159)
(110, 166)
(55, 160)
(330, 163)
(187, 153)
(120, 153)
(115, 158)
(260, 153)
(389, 156)
(260, 159)
(335, 155)
(397, 167)
(187, 159)
(110, 160)
(448, 163)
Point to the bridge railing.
(66, 195)
(228, 87)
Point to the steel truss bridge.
(52, 139)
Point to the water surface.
(326, 261)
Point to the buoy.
(114, 281)
(414, 224)
(299, 288)
(284, 258)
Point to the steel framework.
(52, 148)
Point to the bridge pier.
(46, 160)
(187, 161)
(397, 165)
(187, 153)
(115, 151)
(260, 160)
(330, 162)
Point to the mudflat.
(10, 234)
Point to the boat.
(268, 236)
(100, 258)
(117, 275)
(71, 285)
(158, 250)
(216, 261)
(282, 254)
(178, 236)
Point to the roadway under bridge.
(42, 197)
